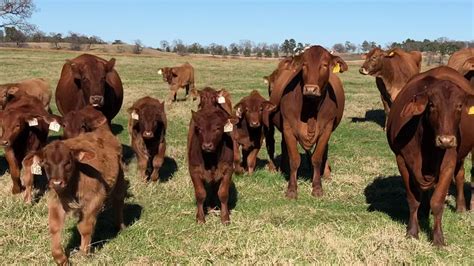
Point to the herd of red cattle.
(429, 125)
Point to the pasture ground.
(361, 218)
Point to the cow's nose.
(96, 100)
(147, 134)
(446, 141)
(312, 90)
(255, 124)
(207, 146)
(363, 71)
(5, 142)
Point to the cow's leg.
(158, 160)
(386, 108)
(194, 92)
(237, 162)
(459, 180)
(472, 176)
(86, 224)
(14, 170)
(223, 194)
(118, 199)
(413, 198)
(142, 165)
(319, 161)
(327, 166)
(295, 160)
(200, 193)
(56, 215)
(270, 144)
(252, 160)
(27, 178)
(172, 93)
(187, 91)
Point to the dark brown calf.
(147, 129)
(253, 112)
(88, 119)
(22, 133)
(179, 77)
(83, 172)
(210, 156)
(431, 130)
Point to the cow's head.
(441, 106)
(150, 118)
(317, 64)
(15, 122)
(167, 73)
(60, 163)
(374, 61)
(85, 120)
(91, 79)
(209, 97)
(209, 126)
(254, 109)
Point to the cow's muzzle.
(311, 90)
(148, 134)
(446, 141)
(363, 71)
(207, 147)
(96, 100)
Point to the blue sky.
(317, 22)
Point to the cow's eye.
(459, 106)
(431, 106)
(325, 66)
(67, 165)
(17, 125)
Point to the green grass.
(360, 219)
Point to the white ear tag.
(135, 116)
(54, 126)
(238, 113)
(160, 72)
(228, 127)
(33, 122)
(35, 167)
(221, 99)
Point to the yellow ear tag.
(392, 53)
(470, 111)
(336, 68)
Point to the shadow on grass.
(3, 165)
(212, 200)
(127, 154)
(377, 116)
(168, 169)
(116, 129)
(388, 195)
(105, 227)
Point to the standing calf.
(210, 156)
(253, 112)
(83, 172)
(179, 77)
(147, 129)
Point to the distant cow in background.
(431, 130)
(147, 128)
(463, 62)
(253, 112)
(89, 80)
(179, 77)
(392, 69)
(36, 87)
(270, 79)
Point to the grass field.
(361, 218)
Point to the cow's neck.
(211, 159)
(310, 107)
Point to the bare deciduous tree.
(14, 13)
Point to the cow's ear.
(390, 53)
(83, 155)
(338, 65)
(194, 116)
(97, 121)
(109, 66)
(233, 120)
(415, 106)
(76, 72)
(174, 71)
(160, 71)
(266, 80)
(12, 90)
(239, 109)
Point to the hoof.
(317, 193)
(291, 194)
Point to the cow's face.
(150, 119)
(373, 62)
(441, 105)
(85, 120)
(91, 78)
(317, 64)
(12, 124)
(209, 127)
(254, 109)
(60, 163)
(167, 73)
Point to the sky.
(226, 21)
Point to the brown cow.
(270, 80)
(89, 80)
(392, 69)
(218, 98)
(311, 102)
(210, 156)
(88, 119)
(147, 129)
(83, 172)
(21, 134)
(430, 130)
(463, 62)
(36, 87)
(253, 112)
(179, 77)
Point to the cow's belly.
(307, 139)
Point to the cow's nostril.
(446, 141)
